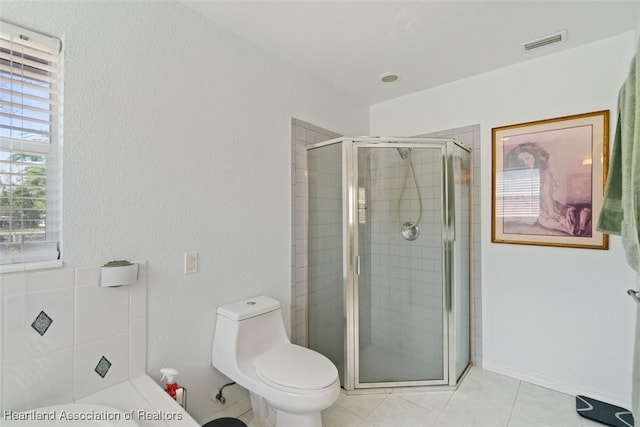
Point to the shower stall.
(388, 259)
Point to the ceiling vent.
(544, 41)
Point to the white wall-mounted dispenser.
(118, 273)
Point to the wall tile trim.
(64, 337)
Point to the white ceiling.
(428, 43)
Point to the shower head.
(404, 152)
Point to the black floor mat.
(604, 413)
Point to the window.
(30, 218)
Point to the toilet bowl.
(289, 385)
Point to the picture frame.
(548, 180)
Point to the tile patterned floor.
(484, 399)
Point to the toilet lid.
(296, 367)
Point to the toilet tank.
(248, 308)
(246, 329)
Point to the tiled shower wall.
(325, 253)
(304, 134)
(64, 337)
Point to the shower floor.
(383, 364)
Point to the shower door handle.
(449, 235)
(448, 275)
(357, 265)
(450, 197)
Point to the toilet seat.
(295, 367)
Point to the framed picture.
(548, 181)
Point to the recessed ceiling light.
(388, 77)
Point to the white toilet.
(289, 384)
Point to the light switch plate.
(190, 262)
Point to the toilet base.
(267, 416)
(286, 419)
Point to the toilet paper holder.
(118, 273)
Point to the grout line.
(513, 405)
(347, 408)
(376, 407)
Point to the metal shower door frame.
(352, 260)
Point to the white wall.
(554, 316)
(177, 138)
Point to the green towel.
(620, 213)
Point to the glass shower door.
(325, 255)
(401, 316)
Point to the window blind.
(29, 146)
